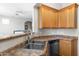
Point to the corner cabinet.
(52, 18)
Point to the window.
(5, 21)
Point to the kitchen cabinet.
(47, 17)
(62, 19)
(72, 18)
(67, 47)
(52, 18)
(67, 17)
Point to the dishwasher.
(53, 46)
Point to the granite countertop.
(26, 52)
(44, 35)
(52, 37)
(6, 37)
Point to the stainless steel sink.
(35, 45)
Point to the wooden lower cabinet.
(68, 47)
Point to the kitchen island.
(13, 45)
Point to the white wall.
(15, 24)
(8, 10)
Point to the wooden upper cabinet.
(68, 17)
(62, 19)
(47, 17)
(72, 18)
(51, 18)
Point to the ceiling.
(19, 10)
(58, 5)
(24, 10)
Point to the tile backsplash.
(70, 32)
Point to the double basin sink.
(37, 45)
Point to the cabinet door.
(71, 17)
(62, 19)
(54, 18)
(48, 17)
(41, 17)
(67, 17)
(65, 48)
